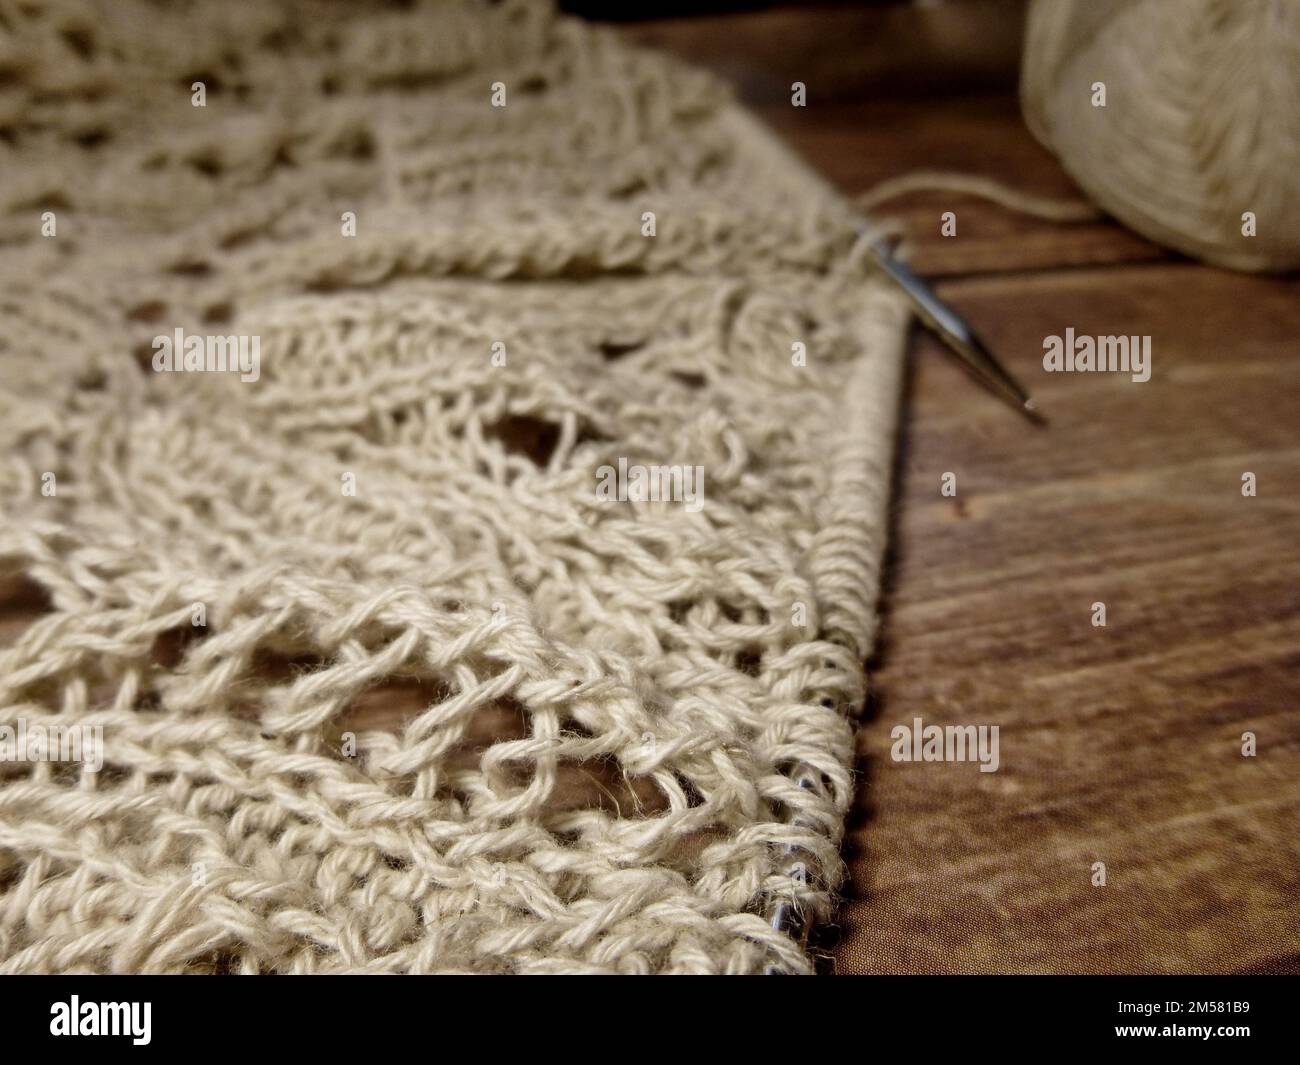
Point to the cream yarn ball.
(1198, 141)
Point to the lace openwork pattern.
(383, 683)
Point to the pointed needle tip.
(1033, 413)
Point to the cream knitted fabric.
(385, 684)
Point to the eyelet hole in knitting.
(238, 238)
(170, 647)
(391, 705)
(633, 187)
(522, 434)
(11, 870)
(22, 602)
(276, 667)
(613, 351)
(191, 268)
(280, 40)
(283, 156)
(357, 144)
(150, 311)
(218, 314)
(80, 40)
(211, 81)
(208, 163)
(109, 776)
(679, 610)
(50, 200)
(601, 784)
(65, 774)
(223, 963)
(689, 790)
(92, 138)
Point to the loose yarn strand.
(983, 187)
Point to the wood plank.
(1119, 744)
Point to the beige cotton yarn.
(1201, 123)
(384, 685)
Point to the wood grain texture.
(1119, 744)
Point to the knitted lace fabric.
(385, 684)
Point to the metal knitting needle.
(953, 330)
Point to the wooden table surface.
(1119, 744)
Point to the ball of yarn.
(1197, 145)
